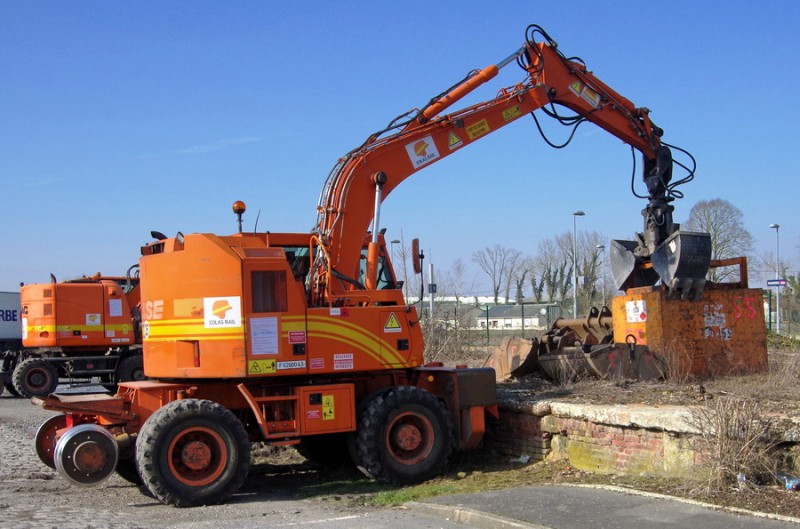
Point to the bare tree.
(589, 268)
(495, 261)
(551, 268)
(549, 271)
(513, 269)
(456, 282)
(729, 238)
(400, 255)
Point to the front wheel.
(35, 377)
(192, 452)
(405, 435)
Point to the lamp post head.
(776, 226)
(578, 213)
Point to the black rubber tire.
(405, 435)
(192, 427)
(7, 365)
(35, 377)
(328, 450)
(126, 469)
(130, 369)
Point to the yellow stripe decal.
(336, 329)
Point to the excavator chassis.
(188, 441)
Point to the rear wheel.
(130, 369)
(35, 377)
(7, 365)
(192, 452)
(405, 435)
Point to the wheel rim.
(38, 378)
(410, 438)
(86, 454)
(197, 456)
(46, 439)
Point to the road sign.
(776, 282)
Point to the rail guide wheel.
(46, 439)
(86, 454)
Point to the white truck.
(10, 336)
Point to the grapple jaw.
(628, 269)
(681, 262)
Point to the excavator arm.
(362, 179)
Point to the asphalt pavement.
(579, 507)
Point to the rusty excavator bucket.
(514, 358)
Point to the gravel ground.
(35, 496)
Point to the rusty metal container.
(724, 333)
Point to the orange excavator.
(78, 330)
(305, 339)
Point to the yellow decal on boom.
(478, 129)
(260, 367)
(586, 93)
(453, 141)
(511, 113)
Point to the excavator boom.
(420, 138)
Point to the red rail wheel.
(46, 439)
(192, 452)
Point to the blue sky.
(120, 118)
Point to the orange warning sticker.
(392, 324)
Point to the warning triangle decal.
(392, 324)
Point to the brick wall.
(620, 440)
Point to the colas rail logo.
(422, 151)
(222, 312)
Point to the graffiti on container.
(716, 322)
(713, 315)
(745, 307)
(722, 333)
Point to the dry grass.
(736, 442)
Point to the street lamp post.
(777, 275)
(575, 215)
(602, 249)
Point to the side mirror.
(416, 256)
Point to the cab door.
(274, 319)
